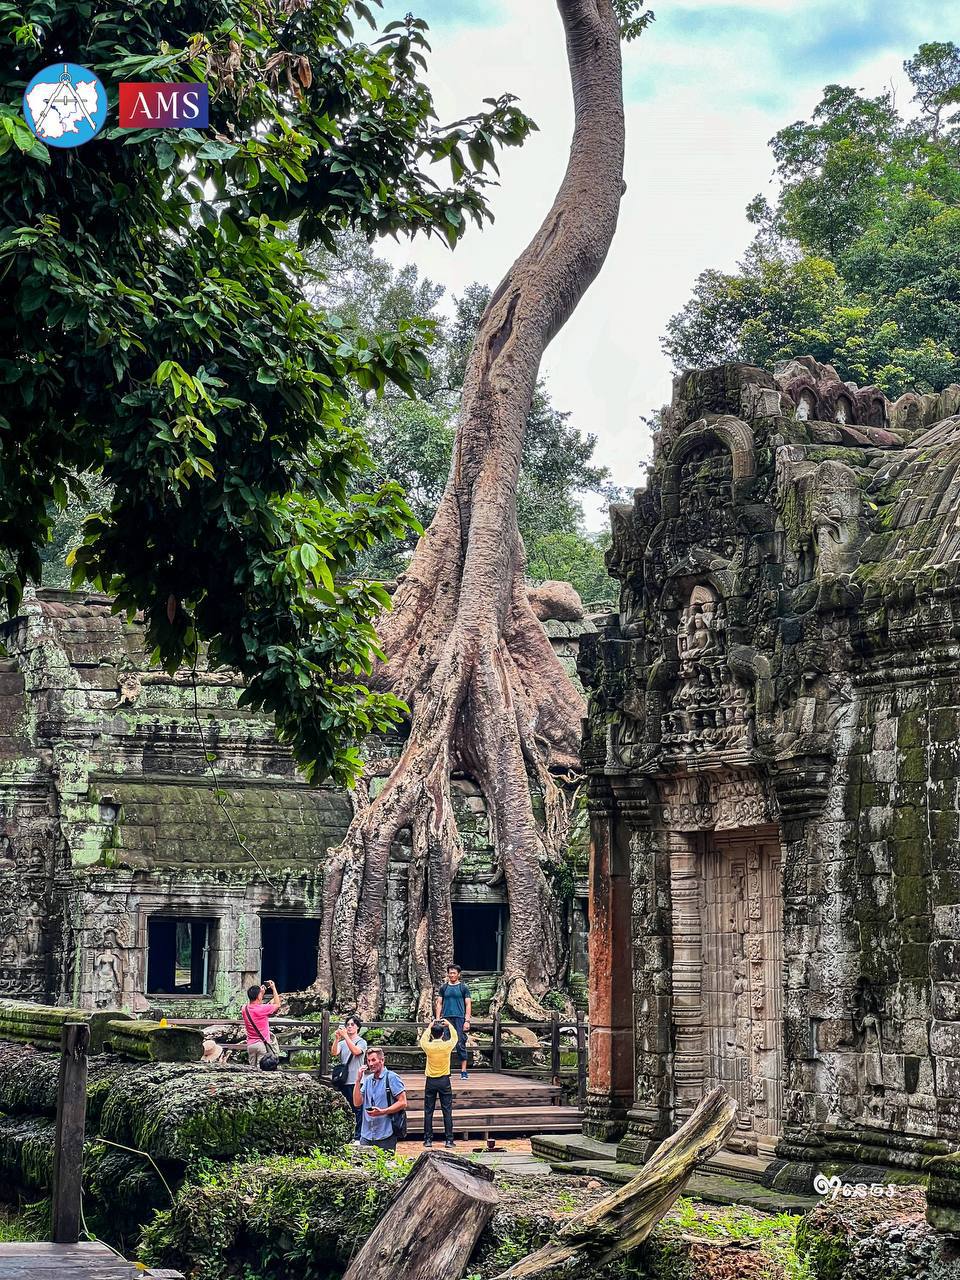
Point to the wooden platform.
(29, 1261)
(489, 1104)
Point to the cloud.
(706, 88)
(445, 14)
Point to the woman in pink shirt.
(256, 1018)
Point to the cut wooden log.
(615, 1225)
(429, 1230)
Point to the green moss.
(186, 1111)
(827, 1252)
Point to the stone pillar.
(610, 943)
(686, 1011)
(650, 1119)
(812, 965)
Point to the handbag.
(399, 1118)
(269, 1061)
(340, 1074)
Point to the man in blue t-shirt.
(370, 1092)
(453, 1004)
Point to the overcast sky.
(706, 87)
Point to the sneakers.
(464, 1076)
(428, 1142)
(449, 1143)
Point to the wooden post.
(581, 1060)
(555, 1047)
(325, 1044)
(71, 1121)
(496, 1058)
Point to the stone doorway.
(742, 976)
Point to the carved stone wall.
(775, 712)
(111, 816)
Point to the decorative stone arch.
(802, 390)
(871, 407)
(844, 411)
(729, 431)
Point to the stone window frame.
(193, 911)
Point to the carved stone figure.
(108, 972)
(708, 711)
(836, 516)
(33, 930)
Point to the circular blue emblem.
(65, 105)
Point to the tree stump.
(615, 1225)
(430, 1229)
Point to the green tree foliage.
(858, 263)
(154, 332)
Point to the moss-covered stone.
(187, 1111)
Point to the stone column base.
(646, 1129)
(605, 1116)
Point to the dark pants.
(438, 1087)
(461, 1038)
(385, 1144)
(347, 1091)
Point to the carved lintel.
(723, 801)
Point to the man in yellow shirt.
(438, 1042)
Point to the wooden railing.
(550, 1032)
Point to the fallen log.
(430, 1229)
(618, 1223)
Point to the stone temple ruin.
(123, 791)
(773, 747)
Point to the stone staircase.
(491, 1104)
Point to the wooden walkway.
(23, 1261)
(489, 1104)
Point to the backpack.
(399, 1118)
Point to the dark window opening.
(478, 930)
(288, 952)
(179, 956)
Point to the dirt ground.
(466, 1147)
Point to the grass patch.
(775, 1233)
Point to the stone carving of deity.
(33, 930)
(805, 407)
(108, 972)
(836, 510)
(708, 711)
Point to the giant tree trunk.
(488, 696)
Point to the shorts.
(259, 1050)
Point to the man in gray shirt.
(349, 1045)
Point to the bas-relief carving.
(108, 972)
(820, 505)
(710, 710)
(725, 802)
(836, 516)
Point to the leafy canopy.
(155, 333)
(858, 261)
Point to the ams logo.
(164, 106)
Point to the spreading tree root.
(501, 709)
